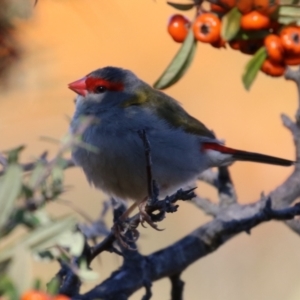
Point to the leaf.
(74, 241)
(36, 174)
(86, 274)
(286, 20)
(179, 64)
(231, 24)
(53, 286)
(48, 235)
(289, 2)
(10, 188)
(288, 14)
(7, 288)
(13, 155)
(253, 66)
(41, 237)
(292, 11)
(181, 6)
(21, 261)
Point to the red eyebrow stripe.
(218, 147)
(92, 83)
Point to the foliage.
(238, 27)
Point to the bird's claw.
(125, 233)
(147, 218)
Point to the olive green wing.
(168, 109)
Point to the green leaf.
(21, 261)
(41, 237)
(179, 64)
(10, 188)
(53, 286)
(86, 274)
(36, 174)
(286, 20)
(181, 6)
(7, 288)
(253, 66)
(48, 235)
(231, 24)
(13, 155)
(74, 241)
(288, 14)
(292, 11)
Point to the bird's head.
(109, 86)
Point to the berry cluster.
(259, 27)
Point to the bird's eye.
(100, 89)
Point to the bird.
(182, 147)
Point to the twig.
(206, 205)
(227, 195)
(295, 77)
(210, 177)
(175, 258)
(150, 181)
(177, 287)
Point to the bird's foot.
(126, 233)
(146, 217)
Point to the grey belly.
(119, 168)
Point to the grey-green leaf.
(231, 24)
(179, 6)
(179, 64)
(47, 235)
(289, 14)
(291, 11)
(35, 175)
(10, 188)
(21, 261)
(253, 66)
(41, 237)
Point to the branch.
(177, 287)
(177, 257)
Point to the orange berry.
(217, 9)
(273, 69)
(292, 60)
(254, 21)
(178, 27)
(220, 43)
(244, 6)
(266, 7)
(207, 28)
(290, 37)
(235, 44)
(35, 295)
(61, 297)
(274, 47)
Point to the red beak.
(79, 86)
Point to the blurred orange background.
(66, 39)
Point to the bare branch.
(206, 205)
(175, 258)
(177, 287)
(295, 77)
(227, 194)
(210, 177)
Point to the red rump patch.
(218, 147)
(92, 83)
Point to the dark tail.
(249, 156)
